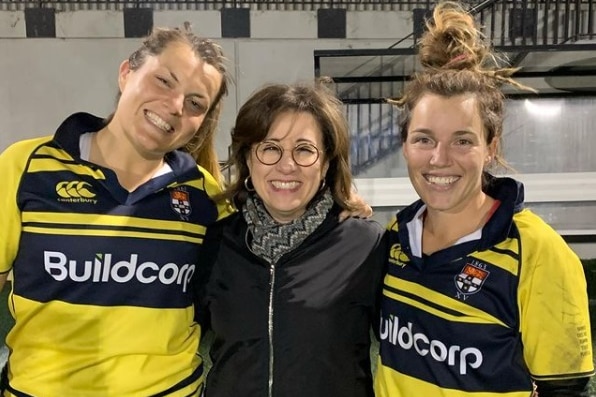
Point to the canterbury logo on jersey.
(101, 270)
(404, 337)
(397, 256)
(75, 192)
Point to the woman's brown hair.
(457, 60)
(260, 111)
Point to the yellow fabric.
(12, 163)
(555, 324)
(75, 336)
(81, 343)
(543, 301)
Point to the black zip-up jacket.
(303, 323)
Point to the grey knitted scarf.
(270, 239)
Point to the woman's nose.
(440, 155)
(176, 104)
(286, 162)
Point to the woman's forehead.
(295, 126)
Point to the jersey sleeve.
(553, 302)
(392, 224)
(12, 163)
(224, 207)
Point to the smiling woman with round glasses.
(303, 154)
(292, 292)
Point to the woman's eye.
(196, 105)
(163, 81)
(270, 148)
(464, 142)
(306, 149)
(421, 139)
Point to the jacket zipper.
(270, 326)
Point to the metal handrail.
(61, 5)
(572, 30)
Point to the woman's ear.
(123, 74)
(324, 170)
(404, 152)
(492, 151)
(249, 162)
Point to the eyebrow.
(300, 140)
(197, 94)
(464, 132)
(174, 76)
(422, 130)
(456, 133)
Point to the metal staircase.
(553, 41)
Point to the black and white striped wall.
(65, 61)
(226, 23)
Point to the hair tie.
(457, 58)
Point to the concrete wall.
(44, 79)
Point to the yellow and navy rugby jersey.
(484, 317)
(101, 292)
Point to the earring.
(248, 185)
(322, 185)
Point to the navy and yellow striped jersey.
(101, 276)
(484, 317)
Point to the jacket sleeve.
(207, 257)
(379, 261)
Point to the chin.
(286, 211)
(437, 205)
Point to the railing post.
(591, 11)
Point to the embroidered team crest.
(180, 201)
(471, 278)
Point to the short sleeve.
(553, 302)
(12, 163)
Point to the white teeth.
(441, 180)
(158, 121)
(285, 185)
